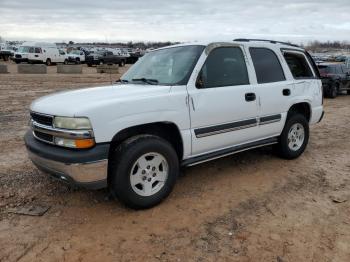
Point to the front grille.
(43, 136)
(42, 119)
(18, 56)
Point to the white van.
(38, 52)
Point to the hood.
(80, 102)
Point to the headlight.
(72, 123)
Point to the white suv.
(177, 106)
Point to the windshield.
(170, 66)
(323, 69)
(26, 49)
(74, 52)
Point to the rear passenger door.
(273, 90)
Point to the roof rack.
(264, 40)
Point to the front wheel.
(294, 137)
(143, 171)
(48, 62)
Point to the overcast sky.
(176, 20)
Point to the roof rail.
(264, 40)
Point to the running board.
(228, 151)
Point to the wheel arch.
(166, 130)
(303, 108)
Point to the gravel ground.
(248, 207)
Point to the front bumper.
(19, 60)
(84, 168)
(93, 62)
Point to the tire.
(89, 65)
(17, 62)
(6, 57)
(66, 61)
(101, 62)
(48, 62)
(122, 63)
(77, 60)
(333, 91)
(136, 159)
(286, 148)
(348, 92)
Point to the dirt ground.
(251, 206)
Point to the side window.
(298, 65)
(225, 66)
(267, 66)
(37, 50)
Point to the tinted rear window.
(298, 65)
(267, 66)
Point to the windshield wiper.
(146, 80)
(122, 81)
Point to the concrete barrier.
(31, 69)
(109, 69)
(69, 69)
(3, 69)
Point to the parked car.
(38, 52)
(133, 57)
(335, 79)
(105, 57)
(75, 56)
(340, 58)
(347, 63)
(5, 52)
(177, 106)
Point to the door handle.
(286, 92)
(250, 97)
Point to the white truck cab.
(75, 56)
(178, 105)
(38, 52)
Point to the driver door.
(223, 104)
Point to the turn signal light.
(75, 143)
(84, 143)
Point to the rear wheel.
(294, 137)
(77, 60)
(66, 61)
(143, 171)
